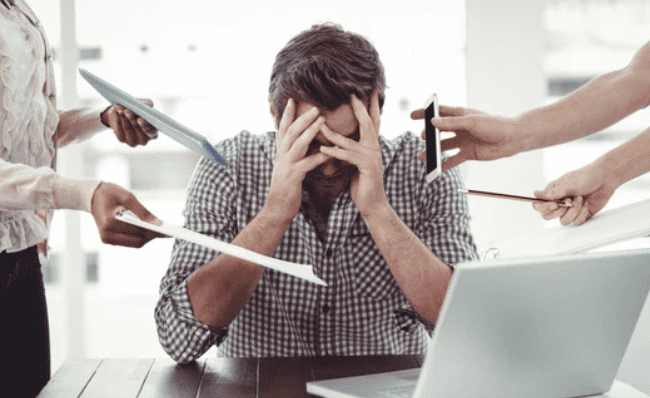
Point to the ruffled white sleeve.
(25, 188)
(77, 125)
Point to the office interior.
(207, 64)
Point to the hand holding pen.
(565, 203)
(590, 187)
(574, 198)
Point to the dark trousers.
(24, 329)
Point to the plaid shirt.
(362, 311)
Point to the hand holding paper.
(303, 271)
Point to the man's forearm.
(219, 290)
(420, 274)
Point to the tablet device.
(159, 120)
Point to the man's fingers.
(366, 125)
(301, 143)
(340, 154)
(336, 138)
(312, 161)
(374, 109)
(299, 126)
(287, 119)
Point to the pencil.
(560, 202)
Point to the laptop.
(535, 327)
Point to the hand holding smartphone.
(432, 138)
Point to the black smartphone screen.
(432, 138)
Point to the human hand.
(588, 187)
(291, 164)
(127, 126)
(107, 201)
(478, 136)
(367, 186)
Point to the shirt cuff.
(407, 319)
(181, 302)
(74, 194)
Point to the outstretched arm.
(598, 104)
(593, 185)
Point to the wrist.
(379, 212)
(611, 170)
(523, 135)
(275, 216)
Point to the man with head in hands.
(325, 189)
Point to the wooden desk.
(223, 377)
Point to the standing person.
(324, 189)
(595, 106)
(31, 131)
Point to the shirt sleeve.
(208, 210)
(25, 188)
(77, 125)
(444, 225)
(444, 228)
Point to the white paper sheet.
(607, 227)
(303, 271)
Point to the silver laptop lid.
(536, 327)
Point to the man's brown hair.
(323, 66)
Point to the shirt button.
(328, 253)
(326, 309)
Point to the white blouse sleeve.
(77, 125)
(25, 187)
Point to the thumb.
(134, 205)
(146, 101)
(552, 192)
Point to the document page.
(303, 271)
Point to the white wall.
(505, 76)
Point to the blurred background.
(207, 64)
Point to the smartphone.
(432, 139)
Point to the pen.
(560, 202)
